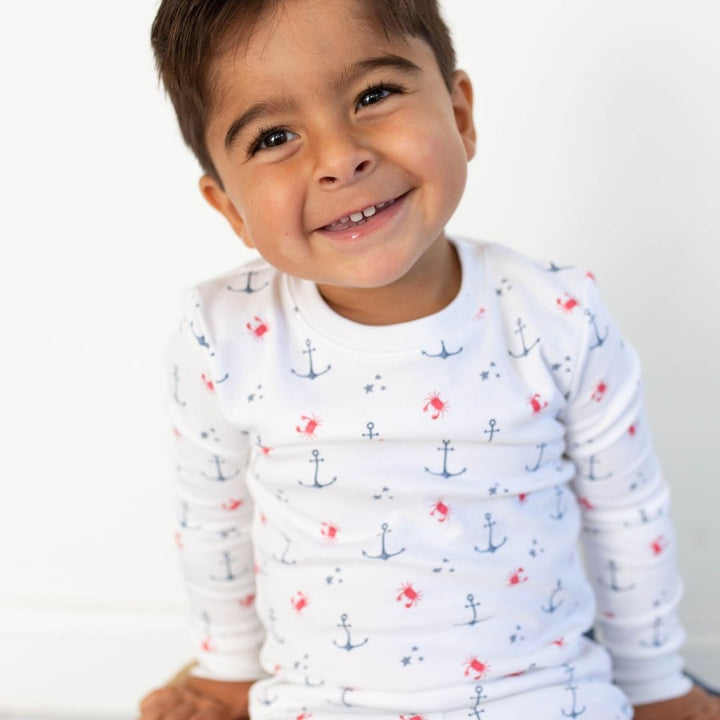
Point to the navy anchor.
(176, 387)
(599, 339)
(316, 483)
(560, 511)
(348, 642)
(472, 605)
(443, 354)
(592, 460)
(658, 640)
(525, 349)
(229, 574)
(283, 558)
(219, 477)
(541, 448)
(384, 555)
(370, 434)
(613, 583)
(553, 605)
(476, 711)
(573, 712)
(491, 547)
(311, 374)
(445, 449)
(248, 286)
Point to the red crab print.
(179, 541)
(516, 577)
(522, 497)
(586, 503)
(537, 403)
(476, 668)
(247, 601)
(441, 510)
(264, 449)
(412, 717)
(208, 644)
(330, 530)
(659, 545)
(568, 303)
(408, 595)
(560, 642)
(176, 432)
(304, 716)
(257, 328)
(308, 425)
(209, 384)
(435, 405)
(299, 601)
(590, 275)
(599, 391)
(480, 314)
(232, 504)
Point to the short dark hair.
(188, 36)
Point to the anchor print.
(560, 508)
(476, 668)
(270, 624)
(257, 328)
(491, 546)
(384, 555)
(612, 582)
(645, 518)
(283, 558)
(557, 268)
(443, 354)
(553, 603)
(445, 449)
(308, 425)
(599, 338)
(475, 711)
(201, 339)
(573, 712)
(219, 476)
(370, 434)
(525, 347)
(473, 606)
(176, 387)
(492, 429)
(592, 461)
(249, 289)
(657, 639)
(349, 646)
(343, 697)
(441, 511)
(229, 574)
(311, 374)
(538, 463)
(435, 405)
(316, 459)
(408, 595)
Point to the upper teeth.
(366, 213)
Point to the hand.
(696, 705)
(178, 702)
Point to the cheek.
(270, 205)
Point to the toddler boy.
(388, 440)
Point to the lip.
(368, 225)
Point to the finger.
(159, 698)
(183, 711)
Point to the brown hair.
(188, 36)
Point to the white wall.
(599, 143)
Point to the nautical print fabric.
(383, 521)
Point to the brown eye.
(272, 139)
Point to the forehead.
(270, 43)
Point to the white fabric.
(384, 520)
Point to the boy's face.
(319, 118)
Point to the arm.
(213, 519)
(628, 538)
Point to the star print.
(369, 388)
(493, 490)
(406, 661)
(484, 374)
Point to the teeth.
(360, 216)
(369, 212)
(357, 217)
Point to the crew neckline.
(308, 305)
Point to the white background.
(599, 144)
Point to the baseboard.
(86, 663)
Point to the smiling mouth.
(359, 217)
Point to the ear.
(218, 199)
(461, 96)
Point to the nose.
(341, 160)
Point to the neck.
(431, 285)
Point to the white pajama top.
(383, 522)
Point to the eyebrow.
(345, 77)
